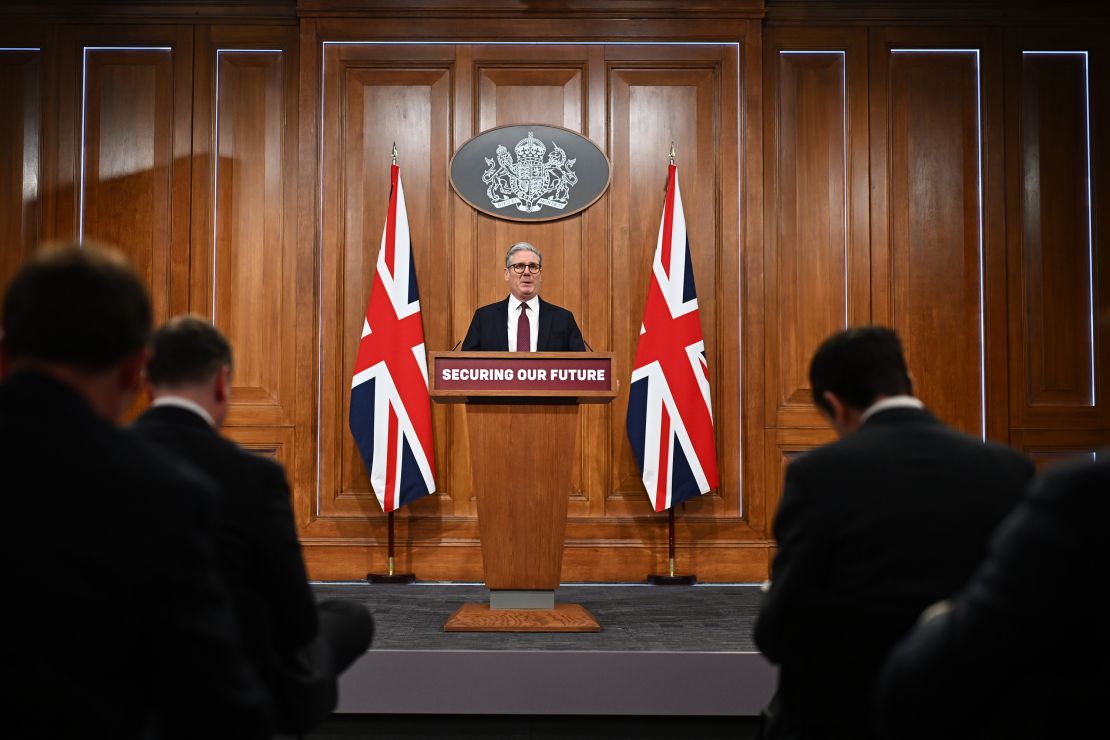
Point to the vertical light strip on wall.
(843, 153)
(982, 266)
(979, 188)
(30, 175)
(215, 180)
(1090, 206)
(84, 119)
(81, 159)
(739, 273)
(320, 277)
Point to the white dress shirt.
(533, 320)
(893, 402)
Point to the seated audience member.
(117, 624)
(1022, 651)
(871, 529)
(296, 646)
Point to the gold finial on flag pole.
(672, 152)
(395, 151)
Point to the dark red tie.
(523, 331)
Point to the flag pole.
(391, 575)
(669, 578)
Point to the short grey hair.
(522, 247)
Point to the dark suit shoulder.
(494, 307)
(186, 435)
(894, 443)
(1080, 485)
(548, 306)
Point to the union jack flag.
(670, 417)
(391, 414)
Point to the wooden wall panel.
(260, 197)
(21, 172)
(374, 96)
(508, 84)
(124, 149)
(1048, 447)
(126, 191)
(551, 95)
(377, 92)
(1054, 372)
(816, 247)
(809, 282)
(248, 264)
(242, 260)
(275, 443)
(936, 228)
(644, 100)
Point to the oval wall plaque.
(530, 172)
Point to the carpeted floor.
(685, 618)
(633, 618)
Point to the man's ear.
(130, 371)
(223, 384)
(506, 274)
(836, 406)
(844, 418)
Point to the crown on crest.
(530, 149)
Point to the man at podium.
(522, 322)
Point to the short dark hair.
(186, 349)
(84, 307)
(858, 365)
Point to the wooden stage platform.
(662, 650)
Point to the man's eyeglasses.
(518, 268)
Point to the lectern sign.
(554, 373)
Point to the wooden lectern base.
(563, 618)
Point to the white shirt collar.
(533, 304)
(892, 402)
(188, 405)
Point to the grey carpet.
(633, 618)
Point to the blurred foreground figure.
(297, 646)
(871, 530)
(1022, 651)
(117, 624)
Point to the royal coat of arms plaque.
(530, 172)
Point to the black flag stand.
(670, 579)
(392, 576)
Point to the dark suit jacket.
(257, 539)
(119, 626)
(489, 329)
(1023, 651)
(871, 530)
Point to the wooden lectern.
(522, 414)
